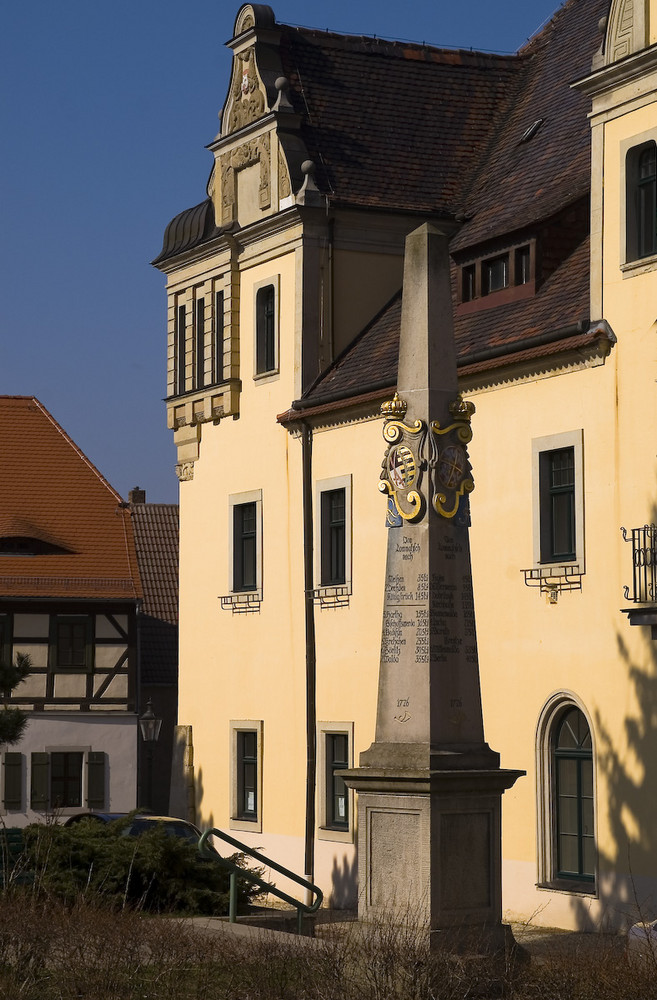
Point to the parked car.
(142, 822)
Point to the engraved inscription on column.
(468, 620)
(445, 635)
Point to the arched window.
(567, 857)
(573, 813)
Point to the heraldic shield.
(403, 464)
(409, 454)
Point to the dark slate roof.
(156, 539)
(370, 361)
(370, 358)
(562, 300)
(188, 229)
(394, 125)
(521, 182)
(539, 187)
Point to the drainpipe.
(311, 708)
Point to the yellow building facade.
(283, 290)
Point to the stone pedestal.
(430, 787)
(429, 847)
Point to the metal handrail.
(235, 871)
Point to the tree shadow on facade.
(344, 883)
(626, 754)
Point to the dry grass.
(52, 952)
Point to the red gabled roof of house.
(50, 491)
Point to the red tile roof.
(51, 491)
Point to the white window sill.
(337, 836)
(639, 266)
(246, 825)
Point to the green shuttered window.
(13, 780)
(57, 780)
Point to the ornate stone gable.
(247, 98)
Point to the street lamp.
(150, 727)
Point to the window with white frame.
(641, 201)
(333, 535)
(558, 499)
(246, 775)
(245, 512)
(266, 335)
(638, 207)
(566, 775)
(335, 800)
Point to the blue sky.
(106, 112)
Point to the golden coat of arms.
(414, 449)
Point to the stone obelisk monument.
(430, 787)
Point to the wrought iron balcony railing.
(644, 564)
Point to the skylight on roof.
(530, 132)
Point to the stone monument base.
(429, 846)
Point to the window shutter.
(96, 780)
(13, 781)
(39, 797)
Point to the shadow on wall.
(205, 822)
(344, 884)
(626, 758)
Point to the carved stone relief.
(627, 29)
(284, 188)
(185, 471)
(248, 101)
(622, 43)
(258, 150)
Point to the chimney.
(137, 495)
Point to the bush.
(154, 871)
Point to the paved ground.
(546, 941)
(540, 942)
